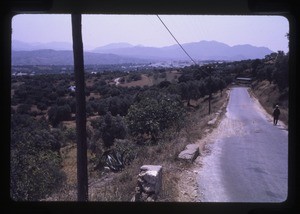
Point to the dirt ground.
(187, 185)
(188, 188)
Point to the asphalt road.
(248, 160)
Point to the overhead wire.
(210, 94)
(176, 40)
(207, 73)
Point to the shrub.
(35, 161)
(153, 115)
(57, 114)
(109, 128)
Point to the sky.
(147, 30)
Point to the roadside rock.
(190, 153)
(149, 183)
(212, 122)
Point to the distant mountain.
(113, 46)
(23, 46)
(203, 50)
(116, 53)
(53, 57)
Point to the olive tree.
(35, 163)
(109, 128)
(151, 115)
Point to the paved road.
(249, 156)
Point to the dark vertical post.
(82, 176)
(5, 85)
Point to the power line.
(210, 93)
(176, 40)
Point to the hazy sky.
(147, 30)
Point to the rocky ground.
(188, 187)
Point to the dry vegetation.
(105, 185)
(269, 95)
(109, 186)
(150, 80)
(144, 81)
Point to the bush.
(35, 161)
(57, 114)
(109, 128)
(23, 109)
(153, 115)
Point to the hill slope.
(53, 57)
(203, 50)
(57, 53)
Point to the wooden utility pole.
(82, 175)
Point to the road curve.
(248, 160)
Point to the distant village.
(21, 70)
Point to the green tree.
(190, 90)
(102, 106)
(23, 109)
(254, 66)
(56, 114)
(109, 128)
(281, 70)
(35, 164)
(150, 116)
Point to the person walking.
(276, 113)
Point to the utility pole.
(82, 175)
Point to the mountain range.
(60, 57)
(57, 53)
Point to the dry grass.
(143, 82)
(69, 124)
(269, 95)
(109, 186)
(94, 95)
(149, 80)
(90, 81)
(69, 154)
(171, 76)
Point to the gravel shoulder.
(224, 127)
(188, 187)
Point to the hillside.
(122, 111)
(203, 50)
(56, 53)
(268, 95)
(54, 57)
